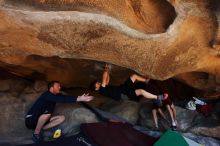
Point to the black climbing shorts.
(157, 104)
(128, 88)
(31, 122)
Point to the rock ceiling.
(162, 39)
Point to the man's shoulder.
(45, 94)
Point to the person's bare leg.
(41, 121)
(154, 112)
(171, 115)
(54, 121)
(174, 112)
(145, 94)
(148, 95)
(136, 77)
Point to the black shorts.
(157, 104)
(31, 122)
(128, 88)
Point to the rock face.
(162, 39)
(204, 130)
(68, 40)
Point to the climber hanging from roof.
(127, 88)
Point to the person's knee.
(142, 91)
(45, 116)
(62, 118)
(167, 106)
(153, 110)
(139, 92)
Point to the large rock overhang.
(163, 39)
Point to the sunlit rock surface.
(162, 39)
